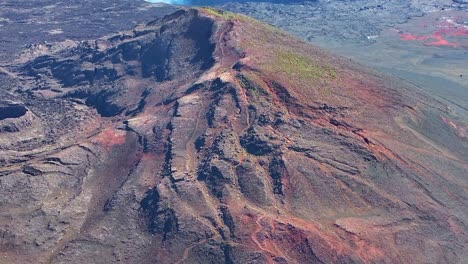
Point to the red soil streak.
(460, 129)
(268, 238)
(456, 228)
(441, 41)
(284, 235)
(367, 251)
(449, 122)
(149, 169)
(261, 239)
(438, 38)
(110, 138)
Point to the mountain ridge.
(210, 137)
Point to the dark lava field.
(323, 132)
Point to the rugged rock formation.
(209, 137)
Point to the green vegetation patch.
(296, 65)
(223, 14)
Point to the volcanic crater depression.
(8, 110)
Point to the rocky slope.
(421, 41)
(209, 137)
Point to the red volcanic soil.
(110, 138)
(447, 29)
(438, 38)
(226, 140)
(461, 129)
